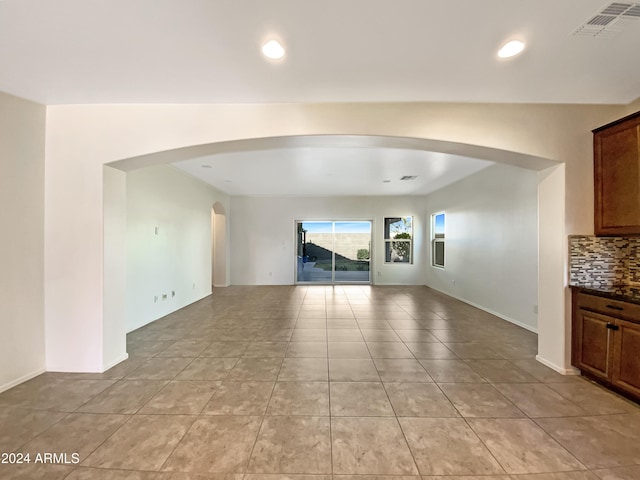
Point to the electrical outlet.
(173, 293)
(379, 274)
(164, 296)
(155, 299)
(535, 309)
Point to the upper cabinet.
(617, 177)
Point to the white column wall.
(22, 132)
(220, 241)
(115, 249)
(554, 338)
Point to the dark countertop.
(624, 293)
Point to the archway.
(84, 139)
(551, 214)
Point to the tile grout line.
(269, 329)
(264, 414)
(329, 394)
(395, 416)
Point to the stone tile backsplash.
(633, 271)
(604, 261)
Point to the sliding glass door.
(333, 252)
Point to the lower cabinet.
(625, 373)
(595, 352)
(606, 345)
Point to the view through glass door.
(333, 252)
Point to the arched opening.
(79, 283)
(551, 257)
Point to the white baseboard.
(220, 286)
(98, 369)
(22, 379)
(488, 310)
(553, 366)
(122, 358)
(61, 369)
(147, 322)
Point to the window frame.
(438, 239)
(389, 239)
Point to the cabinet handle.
(613, 307)
(612, 326)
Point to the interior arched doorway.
(85, 275)
(219, 277)
(553, 341)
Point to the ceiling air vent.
(616, 8)
(634, 11)
(601, 20)
(408, 177)
(610, 20)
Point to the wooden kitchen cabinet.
(626, 353)
(616, 152)
(594, 352)
(606, 341)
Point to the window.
(398, 239)
(437, 240)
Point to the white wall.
(115, 249)
(219, 252)
(491, 242)
(263, 235)
(552, 273)
(177, 258)
(22, 135)
(633, 107)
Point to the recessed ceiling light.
(273, 50)
(206, 166)
(510, 49)
(386, 181)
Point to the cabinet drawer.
(606, 306)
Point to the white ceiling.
(328, 171)
(207, 51)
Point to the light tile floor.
(322, 383)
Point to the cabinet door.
(617, 178)
(594, 353)
(626, 363)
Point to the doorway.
(218, 246)
(330, 252)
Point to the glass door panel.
(315, 252)
(352, 248)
